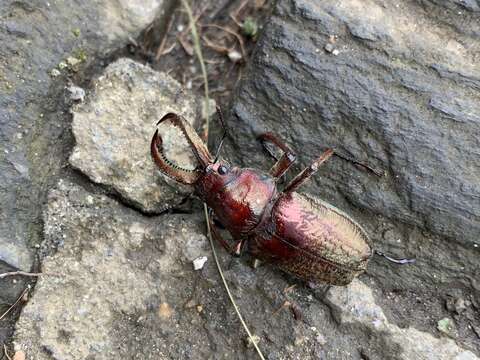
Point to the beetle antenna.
(224, 135)
(396, 261)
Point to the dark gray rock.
(402, 96)
(41, 43)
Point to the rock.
(76, 93)
(199, 262)
(113, 270)
(447, 327)
(33, 115)
(19, 355)
(399, 97)
(355, 305)
(114, 128)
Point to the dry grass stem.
(160, 50)
(15, 303)
(23, 273)
(231, 32)
(5, 351)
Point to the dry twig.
(6, 352)
(185, 45)
(234, 14)
(160, 50)
(23, 273)
(218, 48)
(15, 303)
(231, 32)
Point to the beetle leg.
(216, 235)
(235, 250)
(305, 174)
(288, 156)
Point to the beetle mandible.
(299, 233)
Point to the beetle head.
(215, 178)
(208, 170)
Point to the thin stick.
(164, 40)
(198, 51)
(23, 273)
(220, 49)
(231, 32)
(227, 288)
(196, 40)
(6, 352)
(15, 303)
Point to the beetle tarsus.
(396, 261)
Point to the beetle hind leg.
(286, 160)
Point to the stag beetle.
(299, 233)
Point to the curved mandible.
(198, 147)
(182, 175)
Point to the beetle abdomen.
(313, 240)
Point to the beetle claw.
(396, 261)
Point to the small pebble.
(321, 339)
(329, 48)
(250, 341)
(76, 93)
(234, 56)
(199, 262)
(165, 311)
(19, 355)
(446, 326)
(73, 61)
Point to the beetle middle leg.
(286, 160)
(306, 173)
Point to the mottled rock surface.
(400, 94)
(114, 127)
(42, 42)
(122, 285)
(355, 305)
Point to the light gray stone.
(105, 262)
(355, 305)
(113, 130)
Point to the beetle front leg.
(288, 156)
(307, 172)
(236, 250)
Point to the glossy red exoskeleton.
(300, 234)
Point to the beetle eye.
(222, 169)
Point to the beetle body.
(300, 234)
